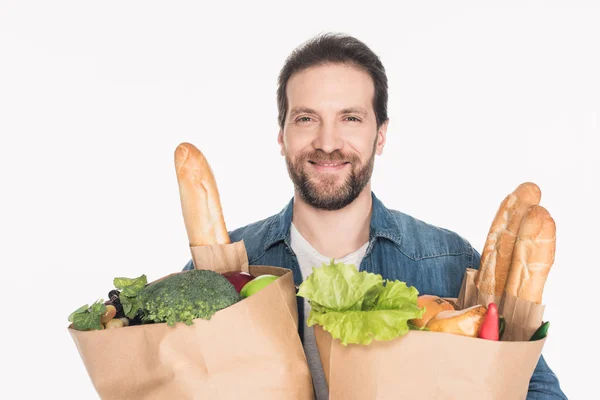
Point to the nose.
(328, 138)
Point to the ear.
(381, 136)
(281, 143)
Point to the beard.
(325, 192)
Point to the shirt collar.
(383, 224)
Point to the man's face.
(330, 136)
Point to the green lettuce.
(130, 288)
(359, 307)
(88, 317)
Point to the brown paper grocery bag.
(250, 350)
(430, 365)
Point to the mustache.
(320, 155)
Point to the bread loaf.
(433, 305)
(200, 201)
(497, 253)
(533, 255)
(464, 322)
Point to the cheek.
(296, 144)
(361, 147)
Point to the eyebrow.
(351, 110)
(302, 110)
(354, 110)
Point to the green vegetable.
(502, 327)
(185, 296)
(88, 318)
(413, 327)
(541, 332)
(130, 288)
(358, 307)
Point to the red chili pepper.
(489, 327)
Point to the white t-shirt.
(308, 258)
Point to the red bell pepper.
(489, 327)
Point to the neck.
(335, 234)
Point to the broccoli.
(185, 296)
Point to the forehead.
(331, 86)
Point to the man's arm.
(544, 384)
(189, 265)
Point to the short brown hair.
(335, 48)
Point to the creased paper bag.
(522, 317)
(250, 350)
(429, 365)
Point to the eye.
(304, 119)
(352, 119)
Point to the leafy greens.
(88, 317)
(130, 288)
(359, 307)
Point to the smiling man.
(332, 101)
(329, 139)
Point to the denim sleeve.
(544, 383)
(189, 265)
(475, 259)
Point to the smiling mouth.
(329, 164)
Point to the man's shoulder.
(255, 236)
(420, 239)
(260, 228)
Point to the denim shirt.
(401, 247)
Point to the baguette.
(200, 201)
(533, 255)
(497, 253)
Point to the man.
(332, 100)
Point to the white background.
(95, 96)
